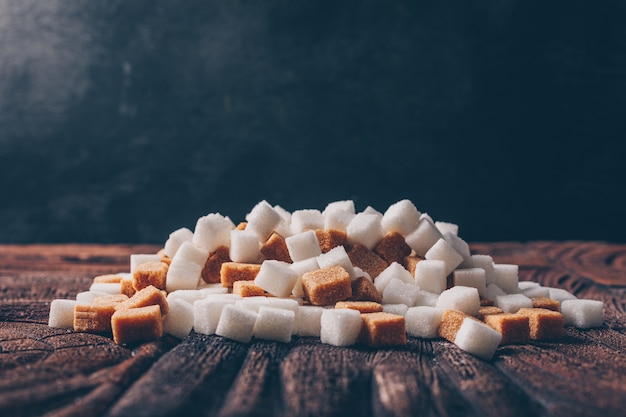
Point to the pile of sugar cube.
(344, 276)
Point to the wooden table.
(55, 372)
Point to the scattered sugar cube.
(544, 324)
(340, 327)
(382, 329)
(547, 303)
(284, 303)
(423, 237)
(524, 285)
(212, 231)
(263, 220)
(108, 288)
(399, 292)
(307, 219)
(446, 227)
(583, 313)
(253, 303)
(506, 277)
(536, 292)
(301, 268)
(275, 248)
(308, 321)
(139, 258)
(236, 271)
(207, 313)
(363, 289)
(189, 252)
(431, 275)
(211, 272)
(458, 244)
(337, 256)
(423, 321)
(303, 245)
(560, 294)
(247, 289)
(511, 303)
(177, 238)
(425, 298)
(365, 229)
(62, 313)
(284, 226)
(179, 320)
(465, 299)
(514, 328)
(331, 238)
(182, 275)
(361, 306)
(365, 259)
(492, 291)
(190, 296)
(481, 261)
(274, 324)
(149, 273)
(132, 325)
(236, 323)
(244, 246)
(337, 218)
(326, 286)
(401, 217)
(393, 271)
(207, 289)
(87, 297)
(443, 251)
(471, 277)
(477, 338)
(347, 205)
(399, 309)
(277, 278)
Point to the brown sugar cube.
(107, 279)
(93, 318)
(367, 260)
(393, 248)
(146, 297)
(382, 329)
(331, 238)
(150, 273)
(275, 248)
(515, 328)
(326, 286)
(409, 263)
(213, 265)
(364, 290)
(547, 303)
(451, 321)
(487, 311)
(137, 324)
(362, 306)
(237, 271)
(110, 299)
(127, 287)
(544, 324)
(164, 258)
(247, 289)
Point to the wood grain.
(55, 372)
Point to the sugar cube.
(340, 327)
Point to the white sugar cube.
(393, 271)
(340, 327)
(431, 275)
(284, 226)
(190, 296)
(423, 321)
(337, 256)
(583, 313)
(87, 297)
(307, 219)
(303, 245)
(446, 227)
(253, 303)
(176, 238)
(189, 252)
(471, 277)
(106, 287)
(442, 251)
(236, 323)
(492, 291)
(537, 291)
(179, 320)
(207, 312)
(477, 338)
(423, 237)
(365, 229)
(465, 299)
(458, 244)
(481, 261)
(347, 205)
(308, 321)
(337, 218)
(276, 277)
(358, 272)
(511, 303)
(212, 231)
(372, 210)
(524, 285)
(244, 246)
(301, 268)
(274, 324)
(206, 289)
(399, 292)
(182, 275)
(284, 303)
(401, 217)
(62, 313)
(506, 277)
(137, 259)
(560, 294)
(398, 309)
(425, 298)
(263, 220)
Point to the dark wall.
(121, 121)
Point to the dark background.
(121, 121)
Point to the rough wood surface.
(54, 372)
